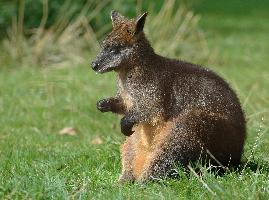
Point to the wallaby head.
(123, 45)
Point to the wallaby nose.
(94, 65)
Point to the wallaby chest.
(140, 87)
(132, 86)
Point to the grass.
(35, 104)
(63, 43)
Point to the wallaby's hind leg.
(180, 147)
(127, 155)
(188, 138)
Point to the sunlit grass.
(36, 103)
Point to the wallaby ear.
(116, 17)
(139, 24)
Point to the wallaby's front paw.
(126, 126)
(104, 105)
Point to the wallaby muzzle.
(106, 61)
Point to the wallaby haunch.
(174, 111)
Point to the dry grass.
(173, 32)
(63, 43)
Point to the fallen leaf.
(97, 140)
(68, 131)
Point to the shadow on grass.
(255, 166)
(199, 170)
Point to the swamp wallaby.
(173, 111)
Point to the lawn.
(37, 103)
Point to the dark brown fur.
(174, 111)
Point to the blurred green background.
(54, 144)
(34, 11)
